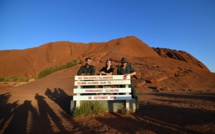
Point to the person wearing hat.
(127, 69)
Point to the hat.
(124, 60)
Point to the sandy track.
(160, 112)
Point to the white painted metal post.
(127, 101)
(78, 102)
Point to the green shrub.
(89, 108)
(22, 79)
(72, 63)
(56, 68)
(13, 79)
(48, 71)
(2, 79)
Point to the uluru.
(168, 82)
(154, 65)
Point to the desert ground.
(160, 112)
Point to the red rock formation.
(172, 70)
(29, 62)
(180, 55)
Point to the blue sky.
(187, 25)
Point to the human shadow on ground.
(60, 98)
(24, 118)
(47, 115)
(19, 121)
(6, 110)
(14, 117)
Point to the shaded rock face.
(179, 55)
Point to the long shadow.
(4, 98)
(133, 125)
(60, 98)
(181, 116)
(47, 115)
(162, 119)
(6, 110)
(79, 127)
(19, 120)
(178, 118)
(199, 96)
(171, 101)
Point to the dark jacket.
(107, 71)
(87, 71)
(128, 69)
